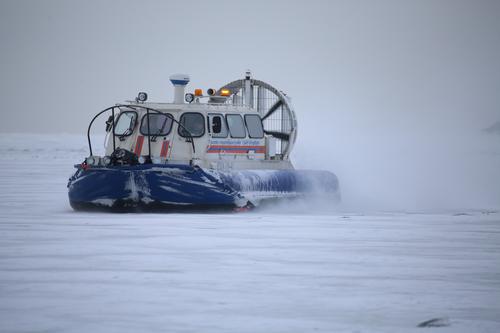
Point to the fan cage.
(262, 100)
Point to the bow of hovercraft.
(232, 151)
(149, 187)
(152, 187)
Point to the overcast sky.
(404, 61)
(387, 85)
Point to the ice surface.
(66, 271)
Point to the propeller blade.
(272, 109)
(279, 135)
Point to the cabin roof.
(198, 107)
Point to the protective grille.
(278, 121)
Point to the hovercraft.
(228, 148)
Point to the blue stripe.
(180, 82)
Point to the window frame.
(209, 115)
(261, 125)
(179, 127)
(168, 115)
(131, 128)
(229, 127)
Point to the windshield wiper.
(155, 136)
(126, 133)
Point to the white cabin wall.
(182, 149)
(179, 150)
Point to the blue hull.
(162, 186)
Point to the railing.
(135, 107)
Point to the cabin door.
(191, 131)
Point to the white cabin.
(247, 124)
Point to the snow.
(263, 271)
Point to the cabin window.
(236, 126)
(254, 126)
(125, 124)
(159, 124)
(192, 122)
(217, 125)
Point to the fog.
(392, 96)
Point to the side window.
(126, 122)
(192, 122)
(236, 126)
(159, 124)
(254, 126)
(217, 125)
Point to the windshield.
(194, 123)
(126, 122)
(159, 124)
